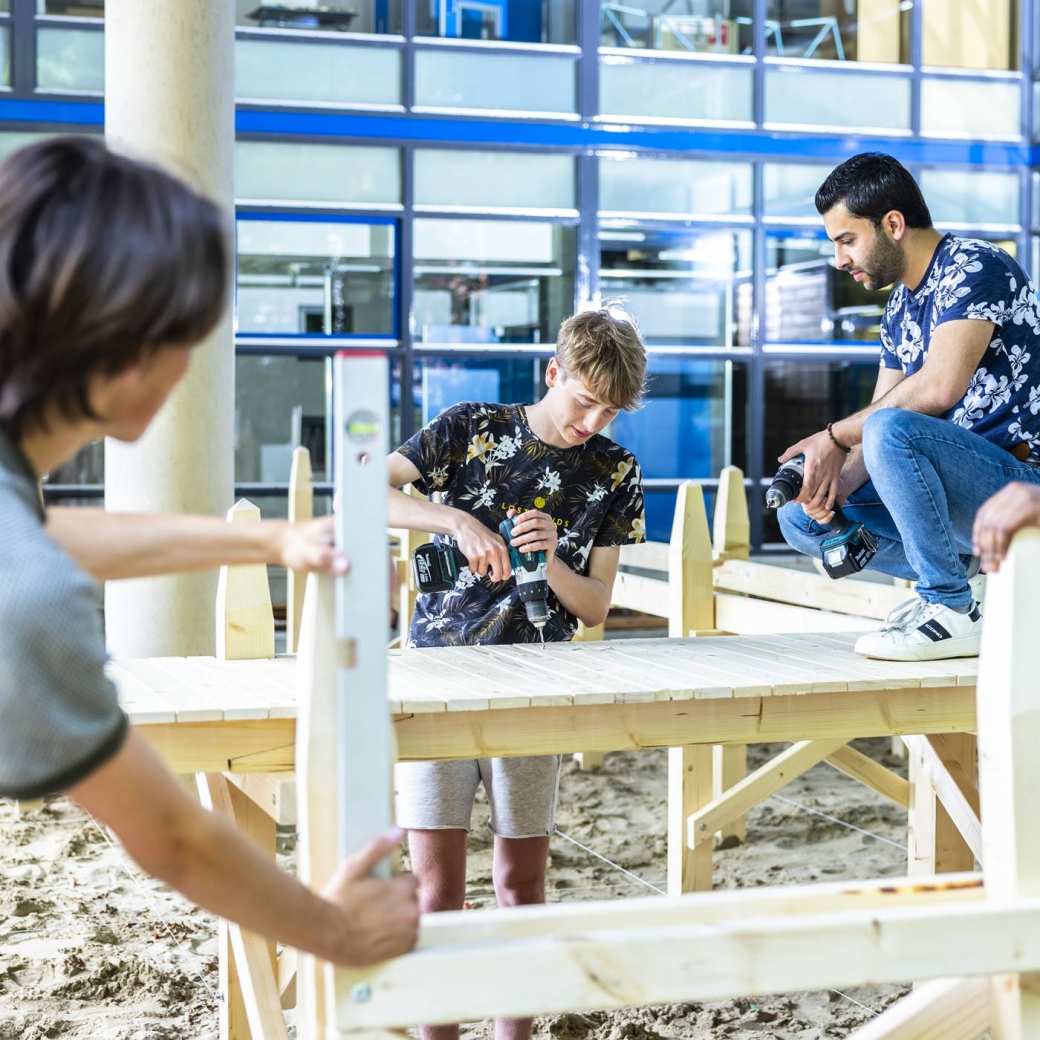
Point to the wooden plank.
(689, 787)
(729, 768)
(1009, 735)
(861, 767)
(731, 530)
(746, 615)
(646, 556)
(589, 761)
(807, 589)
(756, 787)
(946, 1009)
(301, 507)
(690, 599)
(688, 962)
(409, 541)
(640, 593)
(245, 620)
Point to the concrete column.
(169, 98)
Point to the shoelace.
(900, 617)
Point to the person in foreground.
(111, 271)
(956, 410)
(574, 495)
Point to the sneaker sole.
(941, 651)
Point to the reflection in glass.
(67, 8)
(490, 281)
(673, 186)
(705, 27)
(979, 197)
(970, 34)
(855, 30)
(790, 189)
(808, 300)
(87, 466)
(441, 382)
(529, 21)
(837, 98)
(70, 59)
(359, 16)
(681, 287)
(299, 277)
(955, 108)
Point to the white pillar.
(169, 98)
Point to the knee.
(441, 894)
(800, 531)
(517, 885)
(883, 429)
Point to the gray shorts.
(439, 795)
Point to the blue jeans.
(928, 480)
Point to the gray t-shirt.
(59, 716)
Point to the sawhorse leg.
(690, 786)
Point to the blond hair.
(604, 349)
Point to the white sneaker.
(924, 632)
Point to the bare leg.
(519, 875)
(439, 862)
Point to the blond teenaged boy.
(575, 495)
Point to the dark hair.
(103, 260)
(872, 184)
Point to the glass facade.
(450, 180)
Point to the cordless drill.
(849, 547)
(436, 566)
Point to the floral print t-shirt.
(969, 278)
(485, 460)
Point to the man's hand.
(535, 531)
(484, 549)
(380, 919)
(823, 464)
(1000, 518)
(310, 546)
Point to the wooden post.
(690, 592)
(1009, 735)
(408, 542)
(934, 843)
(245, 620)
(588, 761)
(301, 507)
(689, 788)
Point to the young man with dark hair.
(576, 496)
(956, 409)
(110, 272)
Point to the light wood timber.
(690, 604)
(245, 620)
(28, 806)
(861, 767)
(646, 556)
(806, 589)
(301, 507)
(944, 1009)
(640, 593)
(588, 761)
(972, 34)
(731, 528)
(248, 967)
(690, 785)
(1009, 734)
(407, 542)
(746, 615)
(729, 767)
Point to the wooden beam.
(588, 761)
(746, 615)
(861, 767)
(729, 768)
(245, 620)
(945, 1009)
(1009, 735)
(646, 556)
(690, 786)
(756, 787)
(637, 592)
(301, 507)
(409, 541)
(807, 589)
(731, 530)
(690, 600)
(685, 960)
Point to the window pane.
(325, 173)
(856, 30)
(674, 90)
(528, 22)
(87, 466)
(311, 277)
(955, 108)
(802, 397)
(317, 72)
(70, 59)
(492, 281)
(716, 27)
(682, 288)
(468, 79)
(970, 34)
(958, 197)
(691, 425)
(441, 382)
(493, 180)
(809, 301)
(360, 16)
(813, 97)
(790, 189)
(69, 8)
(11, 142)
(674, 186)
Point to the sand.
(91, 948)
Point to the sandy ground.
(90, 948)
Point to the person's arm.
(356, 920)
(138, 545)
(953, 356)
(484, 549)
(1000, 518)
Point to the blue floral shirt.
(968, 278)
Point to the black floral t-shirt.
(484, 459)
